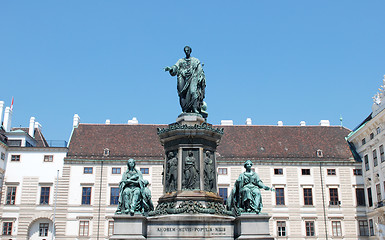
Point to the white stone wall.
(375, 174)
(28, 176)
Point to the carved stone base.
(252, 226)
(193, 202)
(190, 227)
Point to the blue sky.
(268, 60)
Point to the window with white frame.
(43, 229)
(336, 228)
(44, 195)
(363, 227)
(375, 162)
(222, 171)
(11, 195)
(309, 228)
(281, 228)
(7, 228)
(48, 158)
(371, 227)
(84, 228)
(333, 195)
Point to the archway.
(40, 229)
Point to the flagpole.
(54, 209)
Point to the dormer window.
(320, 153)
(106, 152)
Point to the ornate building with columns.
(368, 139)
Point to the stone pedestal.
(252, 226)
(129, 227)
(190, 227)
(190, 207)
(190, 165)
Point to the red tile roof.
(238, 142)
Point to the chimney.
(325, 123)
(31, 130)
(108, 121)
(76, 121)
(7, 119)
(280, 123)
(38, 126)
(1, 112)
(133, 121)
(248, 121)
(227, 122)
(302, 123)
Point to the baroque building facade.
(315, 175)
(368, 139)
(317, 179)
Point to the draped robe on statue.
(191, 84)
(246, 194)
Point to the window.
(114, 196)
(2, 156)
(48, 158)
(309, 225)
(223, 194)
(360, 197)
(88, 170)
(378, 191)
(116, 170)
(382, 156)
(320, 153)
(86, 195)
(278, 171)
(11, 196)
(363, 227)
(106, 152)
(331, 172)
(370, 200)
(306, 171)
(371, 136)
(371, 227)
(15, 158)
(357, 172)
(378, 130)
(14, 143)
(333, 196)
(375, 162)
(44, 195)
(83, 228)
(336, 227)
(307, 196)
(7, 228)
(281, 228)
(366, 162)
(363, 141)
(145, 170)
(43, 229)
(280, 196)
(222, 171)
(110, 228)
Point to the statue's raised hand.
(167, 69)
